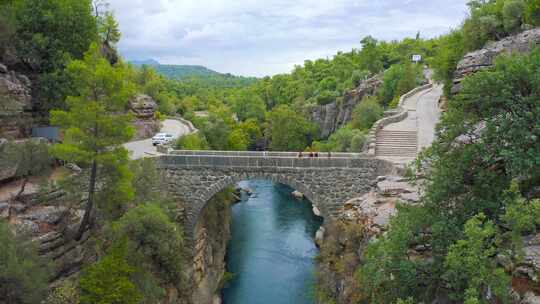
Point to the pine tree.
(94, 129)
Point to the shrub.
(193, 141)
(23, 274)
(109, 280)
(66, 293)
(513, 12)
(366, 113)
(152, 239)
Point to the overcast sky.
(266, 37)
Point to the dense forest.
(481, 195)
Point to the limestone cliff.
(367, 217)
(46, 215)
(205, 267)
(144, 109)
(15, 104)
(213, 233)
(484, 58)
(345, 239)
(333, 116)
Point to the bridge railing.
(226, 161)
(264, 154)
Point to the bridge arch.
(206, 194)
(328, 182)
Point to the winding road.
(144, 148)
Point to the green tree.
(94, 131)
(238, 140)
(289, 130)
(408, 79)
(471, 269)
(371, 55)
(252, 129)
(48, 31)
(146, 180)
(155, 244)
(388, 90)
(49, 34)
(358, 76)
(247, 105)
(109, 280)
(23, 274)
(194, 141)
(108, 29)
(346, 139)
(532, 12)
(218, 126)
(449, 53)
(513, 15)
(366, 113)
(66, 293)
(31, 158)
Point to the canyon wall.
(335, 115)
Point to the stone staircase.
(391, 143)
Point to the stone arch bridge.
(194, 177)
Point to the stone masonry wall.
(327, 187)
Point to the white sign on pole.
(417, 58)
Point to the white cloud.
(250, 37)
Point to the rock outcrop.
(333, 116)
(144, 109)
(344, 241)
(44, 216)
(213, 233)
(484, 58)
(15, 104)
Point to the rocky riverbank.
(342, 246)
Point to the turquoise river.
(272, 248)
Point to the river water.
(272, 248)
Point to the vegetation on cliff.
(488, 21)
(480, 198)
(23, 274)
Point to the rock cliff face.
(484, 58)
(15, 104)
(144, 108)
(204, 269)
(213, 233)
(332, 116)
(345, 240)
(367, 217)
(44, 216)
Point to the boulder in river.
(297, 194)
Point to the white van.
(162, 139)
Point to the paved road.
(143, 148)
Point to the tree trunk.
(90, 202)
(23, 187)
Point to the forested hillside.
(100, 229)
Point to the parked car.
(162, 139)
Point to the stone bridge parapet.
(194, 177)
